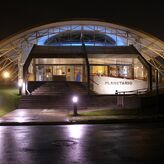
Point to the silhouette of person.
(78, 76)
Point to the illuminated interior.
(75, 70)
(59, 73)
(119, 68)
(91, 36)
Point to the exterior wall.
(109, 85)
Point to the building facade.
(108, 58)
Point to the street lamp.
(75, 101)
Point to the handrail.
(29, 93)
(93, 81)
(138, 91)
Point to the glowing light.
(20, 117)
(24, 87)
(118, 39)
(21, 113)
(20, 82)
(76, 131)
(6, 75)
(74, 99)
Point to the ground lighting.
(75, 101)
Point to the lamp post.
(75, 100)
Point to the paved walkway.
(42, 115)
(54, 116)
(35, 115)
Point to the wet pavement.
(35, 115)
(58, 117)
(84, 144)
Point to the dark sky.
(145, 15)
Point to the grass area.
(9, 99)
(109, 112)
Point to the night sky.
(145, 15)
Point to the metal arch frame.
(16, 49)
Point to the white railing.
(138, 92)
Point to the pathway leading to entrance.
(35, 115)
(57, 117)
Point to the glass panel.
(60, 73)
(78, 73)
(99, 70)
(125, 71)
(59, 70)
(39, 73)
(113, 71)
(43, 73)
(47, 73)
(140, 72)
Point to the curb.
(104, 121)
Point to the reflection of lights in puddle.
(48, 111)
(45, 110)
(76, 131)
(19, 119)
(21, 115)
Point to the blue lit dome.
(76, 37)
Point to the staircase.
(53, 88)
(48, 102)
(58, 95)
(54, 95)
(77, 88)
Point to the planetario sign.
(109, 85)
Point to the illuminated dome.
(76, 37)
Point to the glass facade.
(45, 70)
(119, 68)
(59, 73)
(92, 35)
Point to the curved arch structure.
(15, 50)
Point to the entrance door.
(59, 73)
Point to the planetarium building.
(106, 58)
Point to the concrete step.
(60, 88)
(55, 95)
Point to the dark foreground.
(85, 144)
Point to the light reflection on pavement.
(85, 144)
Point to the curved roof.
(14, 50)
(76, 36)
